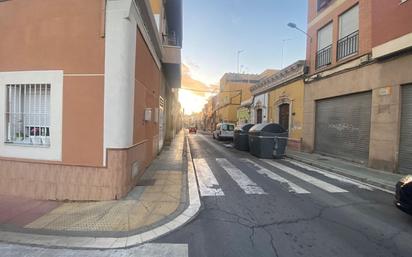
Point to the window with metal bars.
(28, 114)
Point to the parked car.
(192, 130)
(224, 131)
(403, 196)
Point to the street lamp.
(238, 53)
(283, 46)
(293, 26)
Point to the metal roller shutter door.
(405, 144)
(343, 126)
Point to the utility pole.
(283, 45)
(238, 54)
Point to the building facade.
(357, 93)
(280, 100)
(243, 112)
(260, 101)
(86, 89)
(234, 88)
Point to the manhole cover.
(146, 182)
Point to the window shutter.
(325, 36)
(349, 22)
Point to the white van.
(224, 131)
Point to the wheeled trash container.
(267, 140)
(241, 137)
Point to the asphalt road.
(253, 207)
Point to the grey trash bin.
(241, 137)
(267, 140)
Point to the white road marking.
(149, 250)
(241, 179)
(208, 184)
(314, 181)
(292, 187)
(330, 175)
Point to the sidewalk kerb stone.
(116, 242)
(375, 183)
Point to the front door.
(284, 116)
(259, 116)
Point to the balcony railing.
(170, 39)
(348, 45)
(324, 57)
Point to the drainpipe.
(103, 18)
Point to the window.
(323, 54)
(323, 3)
(228, 127)
(348, 33)
(28, 114)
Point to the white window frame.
(52, 152)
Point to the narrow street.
(254, 207)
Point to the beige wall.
(62, 35)
(39, 180)
(68, 35)
(291, 93)
(83, 108)
(379, 77)
(147, 88)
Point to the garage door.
(343, 126)
(405, 145)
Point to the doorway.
(284, 116)
(259, 116)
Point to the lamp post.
(283, 46)
(294, 26)
(238, 54)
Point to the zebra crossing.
(209, 185)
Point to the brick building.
(358, 93)
(86, 93)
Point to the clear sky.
(214, 30)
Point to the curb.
(116, 242)
(343, 173)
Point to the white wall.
(120, 56)
(263, 99)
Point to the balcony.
(324, 57)
(348, 45)
(172, 49)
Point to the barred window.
(28, 114)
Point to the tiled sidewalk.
(161, 196)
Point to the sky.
(214, 30)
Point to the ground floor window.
(28, 114)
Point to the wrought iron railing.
(348, 45)
(170, 39)
(324, 57)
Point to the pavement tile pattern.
(146, 205)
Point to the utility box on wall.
(156, 115)
(148, 114)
